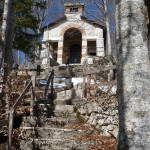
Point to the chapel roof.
(74, 4)
(101, 25)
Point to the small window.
(91, 48)
(73, 9)
(93, 54)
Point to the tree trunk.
(133, 75)
(8, 33)
(110, 54)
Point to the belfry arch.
(73, 43)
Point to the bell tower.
(74, 8)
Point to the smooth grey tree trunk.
(8, 33)
(133, 75)
(110, 52)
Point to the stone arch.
(73, 26)
(60, 53)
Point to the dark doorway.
(75, 54)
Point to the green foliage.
(1, 11)
(26, 24)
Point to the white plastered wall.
(92, 32)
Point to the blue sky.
(58, 11)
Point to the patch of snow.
(105, 89)
(80, 80)
(55, 85)
(75, 81)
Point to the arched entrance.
(75, 54)
(72, 45)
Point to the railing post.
(26, 74)
(95, 84)
(84, 88)
(47, 85)
(16, 69)
(52, 84)
(33, 79)
(88, 85)
(38, 70)
(7, 104)
(11, 122)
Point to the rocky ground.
(98, 114)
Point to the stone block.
(64, 108)
(79, 93)
(93, 119)
(92, 107)
(101, 122)
(82, 110)
(110, 130)
(68, 94)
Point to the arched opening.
(72, 45)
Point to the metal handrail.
(13, 108)
(50, 80)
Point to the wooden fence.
(87, 75)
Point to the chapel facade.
(72, 35)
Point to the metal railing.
(13, 108)
(31, 85)
(50, 80)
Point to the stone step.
(48, 110)
(57, 144)
(67, 94)
(57, 122)
(44, 101)
(52, 133)
(75, 102)
(49, 114)
(60, 108)
(62, 102)
(29, 92)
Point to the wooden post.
(84, 88)
(88, 85)
(7, 104)
(95, 84)
(33, 79)
(52, 85)
(11, 122)
(38, 70)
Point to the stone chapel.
(72, 35)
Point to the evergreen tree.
(26, 24)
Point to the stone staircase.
(52, 126)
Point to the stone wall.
(102, 115)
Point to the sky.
(58, 11)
